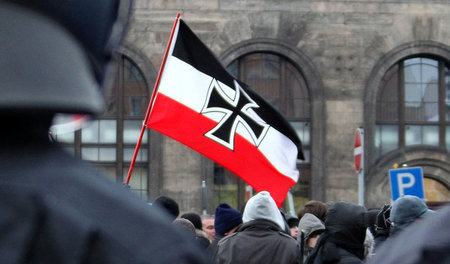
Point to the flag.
(199, 104)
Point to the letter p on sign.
(407, 181)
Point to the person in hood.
(392, 220)
(310, 229)
(405, 210)
(261, 238)
(424, 241)
(343, 238)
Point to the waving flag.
(199, 104)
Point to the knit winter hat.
(226, 218)
(408, 208)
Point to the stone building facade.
(345, 52)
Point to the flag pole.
(138, 145)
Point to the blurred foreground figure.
(423, 241)
(54, 58)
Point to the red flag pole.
(138, 145)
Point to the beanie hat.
(195, 219)
(408, 208)
(226, 218)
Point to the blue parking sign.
(407, 181)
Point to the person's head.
(168, 205)
(346, 227)
(293, 231)
(185, 224)
(317, 208)
(263, 207)
(312, 228)
(227, 219)
(312, 240)
(208, 226)
(407, 209)
(194, 218)
(292, 223)
(55, 54)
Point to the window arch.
(412, 105)
(109, 140)
(435, 191)
(278, 81)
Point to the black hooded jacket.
(343, 239)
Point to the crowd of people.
(333, 232)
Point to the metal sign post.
(358, 153)
(204, 212)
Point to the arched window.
(109, 140)
(435, 191)
(278, 81)
(413, 105)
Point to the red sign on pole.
(358, 149)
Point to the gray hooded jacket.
(261, 238)
(309, 224)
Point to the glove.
(382, 224)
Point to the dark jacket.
(55, 209)
(213, 246)
(343, 240)
(258, 241)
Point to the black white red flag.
(199, 104)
